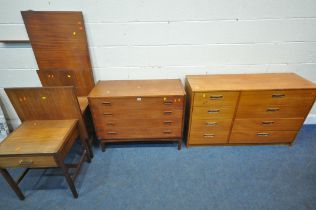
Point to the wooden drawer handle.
(209, 135)
(211, 123)
(167, 122)
(267, 122)
(112, 133)
(107, 103)
(108, 114)
(278, 95)
(167, 132)
(167, 112)
(212, 111)
(25, 163)
(216, 97)
(273, 109)
(263, 134)
(167, 102)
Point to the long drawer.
(211, 137)
(216, 98)
(28, 161)
(245, 136)
(264, 111)
(266, 124)
(148, 132)
(278, 97)
(210, 125)
(105, 104)
(212, 112)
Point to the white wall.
(142, 39)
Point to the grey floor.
(157, 176)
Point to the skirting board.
(311, 119)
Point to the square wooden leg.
(12, 183)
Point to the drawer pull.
(107, 103)
(25, 163)
(108, 114)
(167, 112)
(167, 102)
(273, 109)
(267, 122)
(209, 135)
(278, 95)
(212, 111)
(167, 122)
(263, 134)
(167, 132)
(216, 97)
(211, 123)
(110, 123)
(112, 133)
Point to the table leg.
(69, 180)
(12, 183)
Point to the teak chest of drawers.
(138, 110)
(247, 108)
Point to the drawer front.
(109, 125)
(139, 133)
(212, 112)
(263, 111)
(266, 124)
(213, 137)
(216, 98)
(27, 162)
(262, 137)
(105, 104)
(210, 125)
(286, 97)
(137, 114)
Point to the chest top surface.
(265, 81)
(130, 88)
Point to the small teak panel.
(247, 108)
(138, 110)
(60, 46)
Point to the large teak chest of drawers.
(247, 108)
(138, 110)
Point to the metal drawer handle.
(211, 123)
(209, 135)
(167, 122)
(167, 132)
(108, 114)
(263, 134)
(25, 163)
(278, 95)
(267, 122)
(167, 112)
(110, 123)
(273, 109)
(212, 111)
(107, 103)
(216, 97)
(112, 133)
(167, 102)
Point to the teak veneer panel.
(262, 108)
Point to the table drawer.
(213, 137)
(264, 111)
(212, 112)
(148, 132)
(258, 137)
(137, 103)
(216, 98)
(281, 124)
(278, 97)
(210, 125)
(27, 161)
